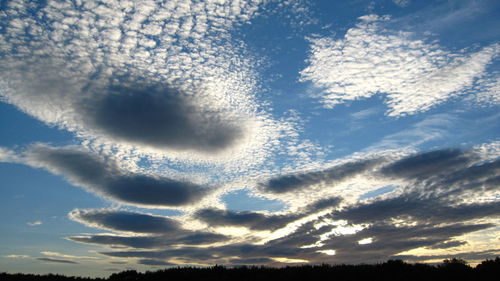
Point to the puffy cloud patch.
(93, 68)
(414, 74)
(103, 177)
(6, 155)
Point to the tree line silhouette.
(450, 269)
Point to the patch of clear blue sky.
(20, 129)
(377, 192)
(242, 200)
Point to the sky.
(148, 134)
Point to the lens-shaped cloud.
(92, 172)
(117, 220)
(331, 176)
(159, 117)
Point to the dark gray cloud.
(478, 255)
(260, 221)
(103, 177)
(152, 242)
(291, 182)
(153, 262)
(428, 164)
(252, 220)
(167, 231)
(422, 209)
(127, 241)
(157, 116)
(448, 244)
(251, 261)
(322, 204)
(56, 260)
(117, 220)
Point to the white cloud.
(402, 3)
(60, 255)
(414, 74)
(34, 223)
(17, 256)
(7, 155)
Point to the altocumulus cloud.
(414, 74)
(155, 81)
(92, 172)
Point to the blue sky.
(150, 134)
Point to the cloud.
(56, 260)
(448, 244)
(153, 242)
(251, 261)
(402, 3)
(388, 240)
(117, 220)
(34, 223)
(438, 197)
(435, 204)
(428, 163)
(7, 155)
(413, 73)
(476, 255)
(91, 171)
(252, 220)
(56, 254)
(153, 262)
(17, 256)
(260, 220)
(93, 74)
(138, 230)
(331, 176)
(158, 116)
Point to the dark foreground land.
(454, 269)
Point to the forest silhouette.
(450, 269)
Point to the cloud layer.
(441, 196)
